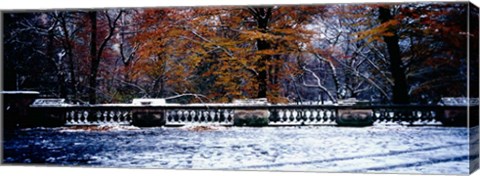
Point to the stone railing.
(273, 115)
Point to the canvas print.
(342, 88)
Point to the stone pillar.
(454, 117)
(354, 117)
(256, 118)
(148, 117)
(16, 108)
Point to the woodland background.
(390, 53)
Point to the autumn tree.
(426, 43)
(240, 51)
(96, 52)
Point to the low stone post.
(454, 117)
(256, 118)
(16, 108)
(354, 117)
(148, 117)
(459, 116)
(50, 112)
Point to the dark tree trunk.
(400, 87)
(62, 91)
(262, 16)
(262, 74)
(68, 48)
(93, 56)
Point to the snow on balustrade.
(49, 102)
(459, 101)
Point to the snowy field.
(377, 149)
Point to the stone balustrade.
(277, 115)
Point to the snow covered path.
(385, 149)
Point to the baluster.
(178, 116)
(294, 115)
(79, 117)
(280, 115)
(273, 115)
(192, 114)
(328, 114)
(111, 116)
(391, 116)
(118, 116)
(230, 117)
(214, 117)
(314, 115)
(433, 116)
(172, 115)
(186, 115)
(210, 117)
(288, 115)
(382, 117)
(300, 116)
(182, 117)
(72, 117)
(427, 115)
(197, 116)
(418, 116)
(168, 116)
(219, 116)
(385, 116)
(97, 117)
(125, 117)
(130, 117)
(308, 115)
(225, 116)
(320, 116)
(334, 116)
(85, 116)
(105, 117)
(203, 116)
(67, 118)
(220, 113)
(376, 116)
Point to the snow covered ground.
(383, 149)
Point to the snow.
(376, 149)
(49, 102)
(19, 92)
(149, 101)
(459, 101)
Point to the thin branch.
(197, 96)
(318, 85)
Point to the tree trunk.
(262, 74)
(262, 16)
(400, 87)
(93, 57)
(68, 48)
(62, 91)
